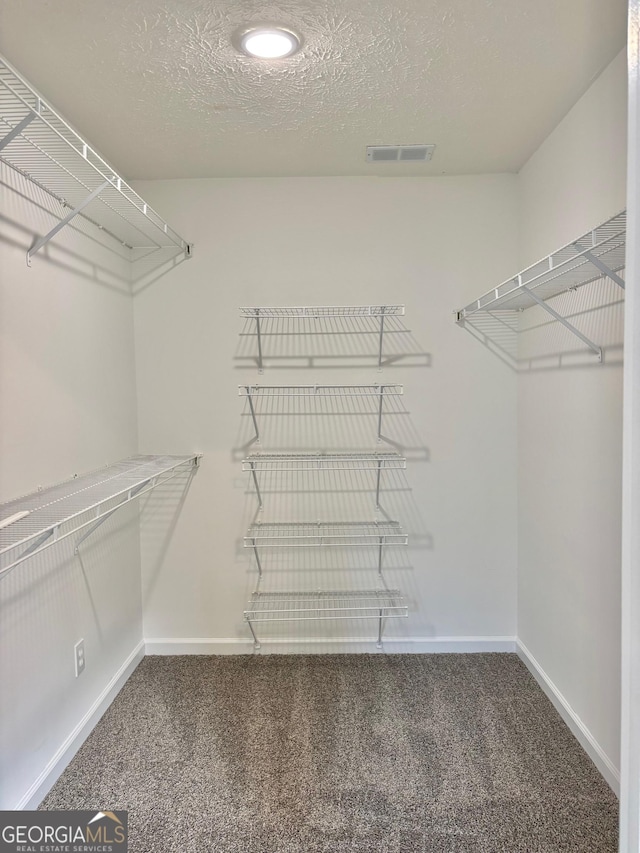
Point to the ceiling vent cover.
(399, 153)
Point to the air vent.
(399, 153)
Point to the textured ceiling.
(158, 88)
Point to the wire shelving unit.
(596, 255)
(316, 463)
(270, 607)
(371, 322)
(303, 395)
(302, 319)
(79, 506)
(39, 144)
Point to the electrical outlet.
(79, 656)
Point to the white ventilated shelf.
(302, 399)
(319, 391)
(34, 522)
(313, 462)
(322, 534)
(317, 463)
(598, 255)
(321, 311)
(367, 320)
(37, 142)
(267, 607)
(342, 604)
(594, 254)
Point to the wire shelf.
(38, 520)
(257, 391)
(368, 319)
(38, 143)
(317, 463)
(273, 607)
(323, 461)
(320, 311)
(342, 604)
(598, 253)
(318, 399)
(321, 534)
(597, 256)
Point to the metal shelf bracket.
(382, 309)
(42, 241)
(380, 405)
(102, 517)
(378, 473)
(17, 130)
(380, 630)
(260, 365)
(255, 483)
(600, 265)
(255, 551)
(256, 642)
(253, 415)
(585, 340)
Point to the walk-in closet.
(318, 426)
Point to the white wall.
(430, 243)
(570, 433)
(67, 405)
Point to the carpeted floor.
(341, 754)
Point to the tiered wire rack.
(297, 606)
(39, 144)
(597, 256)
(77, 507)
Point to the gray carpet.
(341, 754)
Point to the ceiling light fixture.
(268, 42)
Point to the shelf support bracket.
(379, 641)
(255, 483)
(260, 365)
(253, 413)
(380, 544)
(380, 413)
(259, 564)
(31, 549)
(42, 241)
(101, 520)
(256, 642)
(378, 483)
(598, 264)
(17, 130)
(585, 340)
(381, 338)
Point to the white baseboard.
(54, 769)
(582, 734)
(346, 645)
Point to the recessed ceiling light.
(269, 42)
